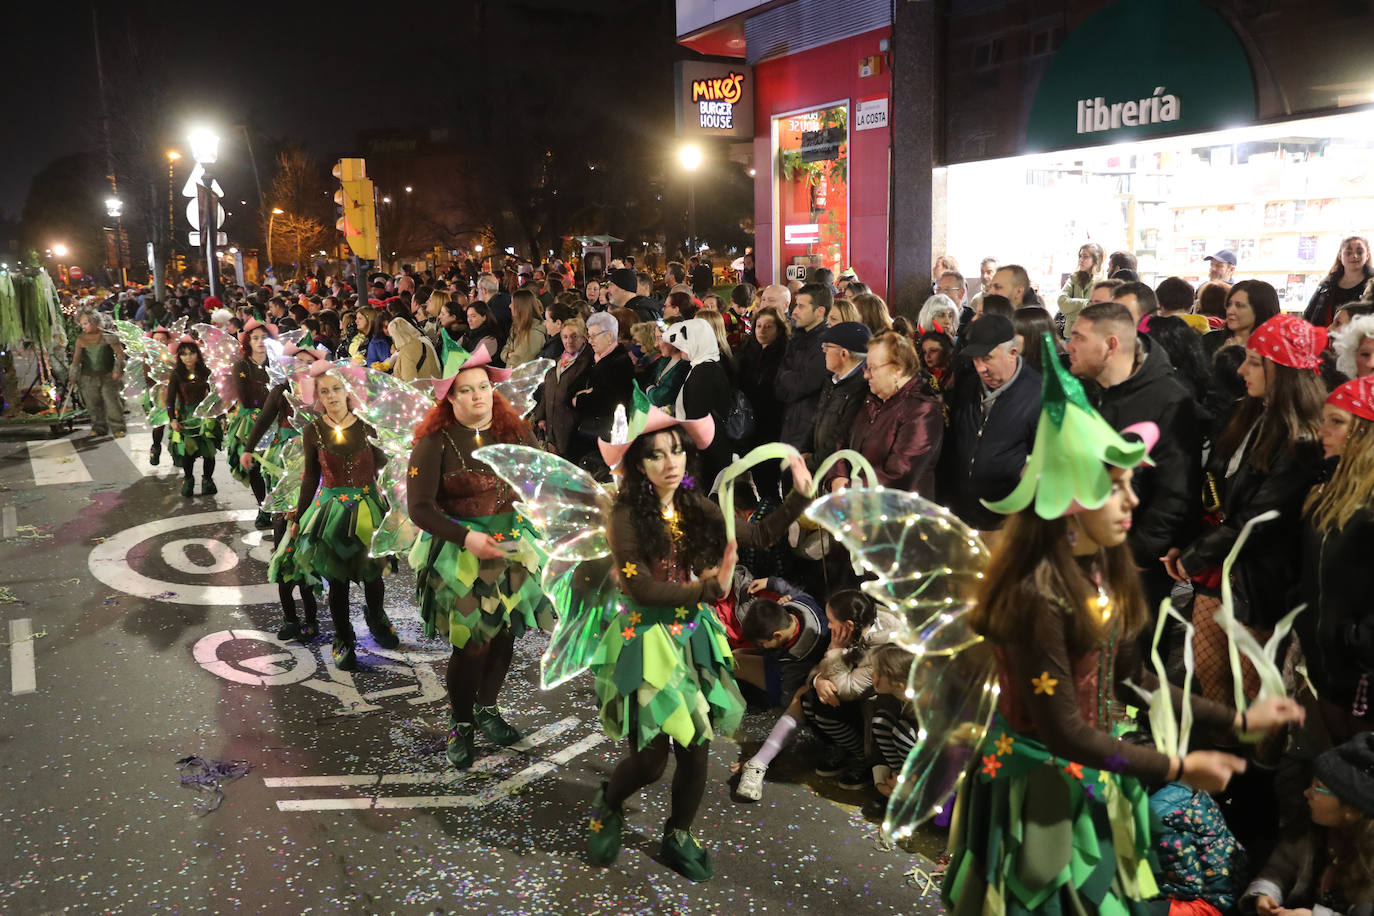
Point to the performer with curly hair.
(250, 379)
(664, 678)
(477, 578)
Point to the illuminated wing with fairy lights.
(571, 512)
(929, 566)
(147, 369)
(288, 476)
(520, 388)
(221, 350)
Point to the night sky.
(311, 73)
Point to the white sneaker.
(751, 781)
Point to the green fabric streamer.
(11, 325)
(235, 436)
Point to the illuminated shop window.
(811, 173)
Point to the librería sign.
(1095, 114)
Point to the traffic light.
(358, 219)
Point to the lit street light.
(477, 248)
(276, 211)
(205, 149)
(386, 200)
(60, 250)
(113, 206)
(690, 157)
(409, 189)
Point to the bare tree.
(301, 190)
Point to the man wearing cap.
(1221, 266)
(845, 347)
(992, 424)
(802, 373)
(625, 294)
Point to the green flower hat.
(1067, 468)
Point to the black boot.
(155, 454)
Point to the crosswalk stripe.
(136, 445)
(55, 461)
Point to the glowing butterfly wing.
(221, 351)
(928, 566)
(387, 403)
(279, 365)
(571, 511)
(520, 388)
(288, 489)
(396, 533)
(301, 413)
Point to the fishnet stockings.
(1212, 662)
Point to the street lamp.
(205, 150)
(477, 248)
(386, 200)
(409, 189)
(113, 206)
(272, 218)
(60, 250)
(690, 157)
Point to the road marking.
(23, 675)
(137, 445)
(222, 556)
(55, 461)
(483, 764)
(109, 562)
(9, 522)
(481, 799)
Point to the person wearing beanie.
(845, 348)
(1327, 870)
(1337, 628)
(1268, 457)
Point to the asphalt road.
(139, 631)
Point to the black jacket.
(1337, 626)
(798, 385)
(647, 309)
(611, 381)
(836, 411)
(1266, 569)
(555, 406)
(983, 455)
(706, 390)
(553, 349)
(757, 371)
(1168, 514)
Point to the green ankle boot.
(496, 729)
(604, 830)
(460, 751)
(684, 855)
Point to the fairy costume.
(198, 437)
(338, 507)
(252, 384)
(1052, 816)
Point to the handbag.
(740, 422)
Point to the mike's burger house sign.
(714, 100)
(1142, 68)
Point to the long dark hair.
(1034, 562)
(1095, 250)
(180, 372)
(850, 605)
(1291, 414)
(703, 536)
(1263, 298)
(1184, 347)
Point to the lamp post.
(114, 207)
(272, 218)
(690, 156)
(205, 150)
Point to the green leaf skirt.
(335, 531)
(273, 458)
(666, 671)
(197, 439)
(235, 436)
(468, 600)
(1035, 833)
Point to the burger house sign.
(714, 100)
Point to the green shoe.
(496, 729)
(684, 855)
(188, 487)
(604, 830)
(289, 630)
(207, 487)
(382, 631)
(345, 656)
(460, 750)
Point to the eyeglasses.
(870, 368)
(1322, 790)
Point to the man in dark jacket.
(1132, 381)
(625, 294)
(803, 373)
(991, 425)
(842, 396)
(608, 381)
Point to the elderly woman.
(1355, 348)
(900, 428)
(939, 310)
(608, 381)
(554, 416)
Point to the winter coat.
(758, 370)
(853, 680)
(1337, 628)
(513, 354)
(798, 384)
(1169, 492)
(667, 381)
(984, 454)
(611, 381)
(1329, 296)
(1291, 877)
(413, 355)
(1270, 563)
(839, 406)
(901, 437)
(1073, 298)
(555, 405)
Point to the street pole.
(691, 213)
(171, 215)
(209, 208)
(271, 218)
(159, 268)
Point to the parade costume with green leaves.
(644, 624)
(1051, 814)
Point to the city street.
(139, 631)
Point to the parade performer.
(97, 366)
(338, 507)
(157, 418)
(1054, 818)
(633, 581)
(275, 421)
(477, 567)
(251, 387)
(192, 437)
